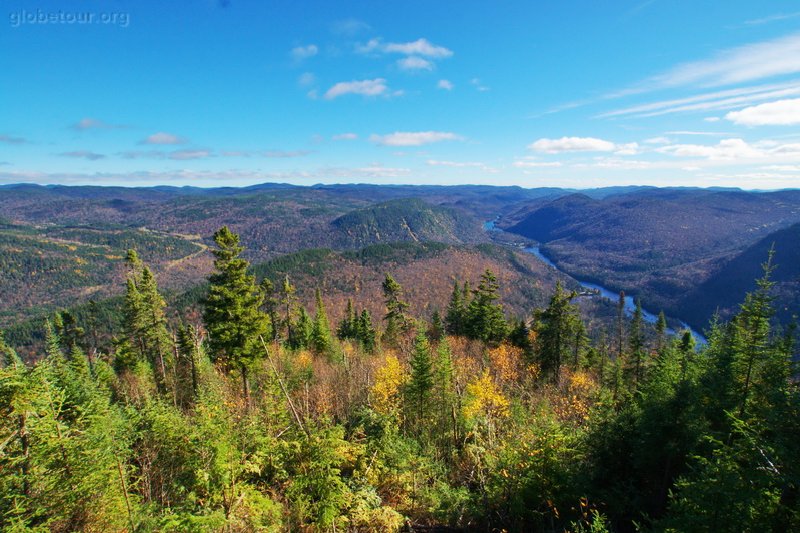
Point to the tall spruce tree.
(321, 339)
(454, 317)
(396, 318)
(556, 327)
(232, 313)
(485, 319)
(421, 382)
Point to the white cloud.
(304, 52)
(627, 149)
(658, 140)
(536, 164)
(414, 138)
(414, 63)
(711, 119)
(374, 87)
(771, 18)
(572, 144)
(718, 100)
(779, 113)
(420, 47)
(447, 85)
(83, 154)
(345, 137)
(736, 65)
(163, 138)
(726, 149)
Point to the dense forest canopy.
(260, 413)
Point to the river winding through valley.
(603, 292)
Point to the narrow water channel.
(603, 292)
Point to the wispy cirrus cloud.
(711, 101)
(83, 154)
(741, 64)
(161, 138)
(414, 138)
(778, 113)
(375, 87)
(345, 137)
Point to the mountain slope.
(408, 219)
(725, 290)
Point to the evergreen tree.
(420, 385)
(556, 328)
(232, 312)
(289, 303)
(397, 321)
(348, 327)
(485, 319)
(145, 321)
(520, 336)
(436, 328)
(661, 331)
(365, 332)
(8, 356)
(301, 331)
(270, 306)
(321, 339)
(636, 339)
(454, 318)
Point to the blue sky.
(572, 93)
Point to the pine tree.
(289, 303)
(636, 346)
(661, 331)
(348, 327)
(620, 324)
(232, 312)
(556, 328)
(420, 385)
(145, 321)
(454, 318)
(397, 321)
(270, 306)
(365, 332)
(436, 327)
(485, 319)
(321, 339)
(8, 356)
(301, 331)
